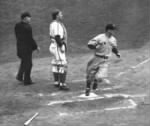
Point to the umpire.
(25, 46)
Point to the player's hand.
(118, 55)
(62, 49)
(98, 46)
(38, 49)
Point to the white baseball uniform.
(59, 53)
(98, 66)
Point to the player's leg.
(63, 69)
(20, 74)
(63, 74)
(28, 68)
(55, 75)
(101, 75)
(90, 75)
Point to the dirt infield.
(125, 102)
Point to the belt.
(51, 37)
(102, 56)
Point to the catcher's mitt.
(90, 46)
(58, 40)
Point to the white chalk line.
(145, 61)
(133, 67)
(79, 80)
(105, 96)
(74, 100)
(131, 105)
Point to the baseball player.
(103, 45)
(58, 47)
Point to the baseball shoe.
(95, 86)
(106, 81)
(28, 83)
(63, 87)
(19, 79)
(56, 84)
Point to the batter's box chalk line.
(94, 96)
(131, 105)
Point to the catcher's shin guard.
(56, 79)
(56, 76)
(63, 77)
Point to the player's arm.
(115, 51)
(93, 43)
(114, 48)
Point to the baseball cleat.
(63, 87)
(56, 84)
(106, 81)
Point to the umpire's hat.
(25, 14)
(110, 27)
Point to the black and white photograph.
(74, 62)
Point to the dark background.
(83, 18)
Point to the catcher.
(103, 45)
(58, 47)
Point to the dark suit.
(25, 46)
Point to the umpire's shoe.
(26, 83)
(63, 87)
(19, 78)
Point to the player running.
(103, 45)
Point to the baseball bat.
(29, 120)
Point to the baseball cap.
(55, 13)
(25, 14)
(110, 27)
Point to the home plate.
(92, 95)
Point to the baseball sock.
(95, 85)
(88, 84)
